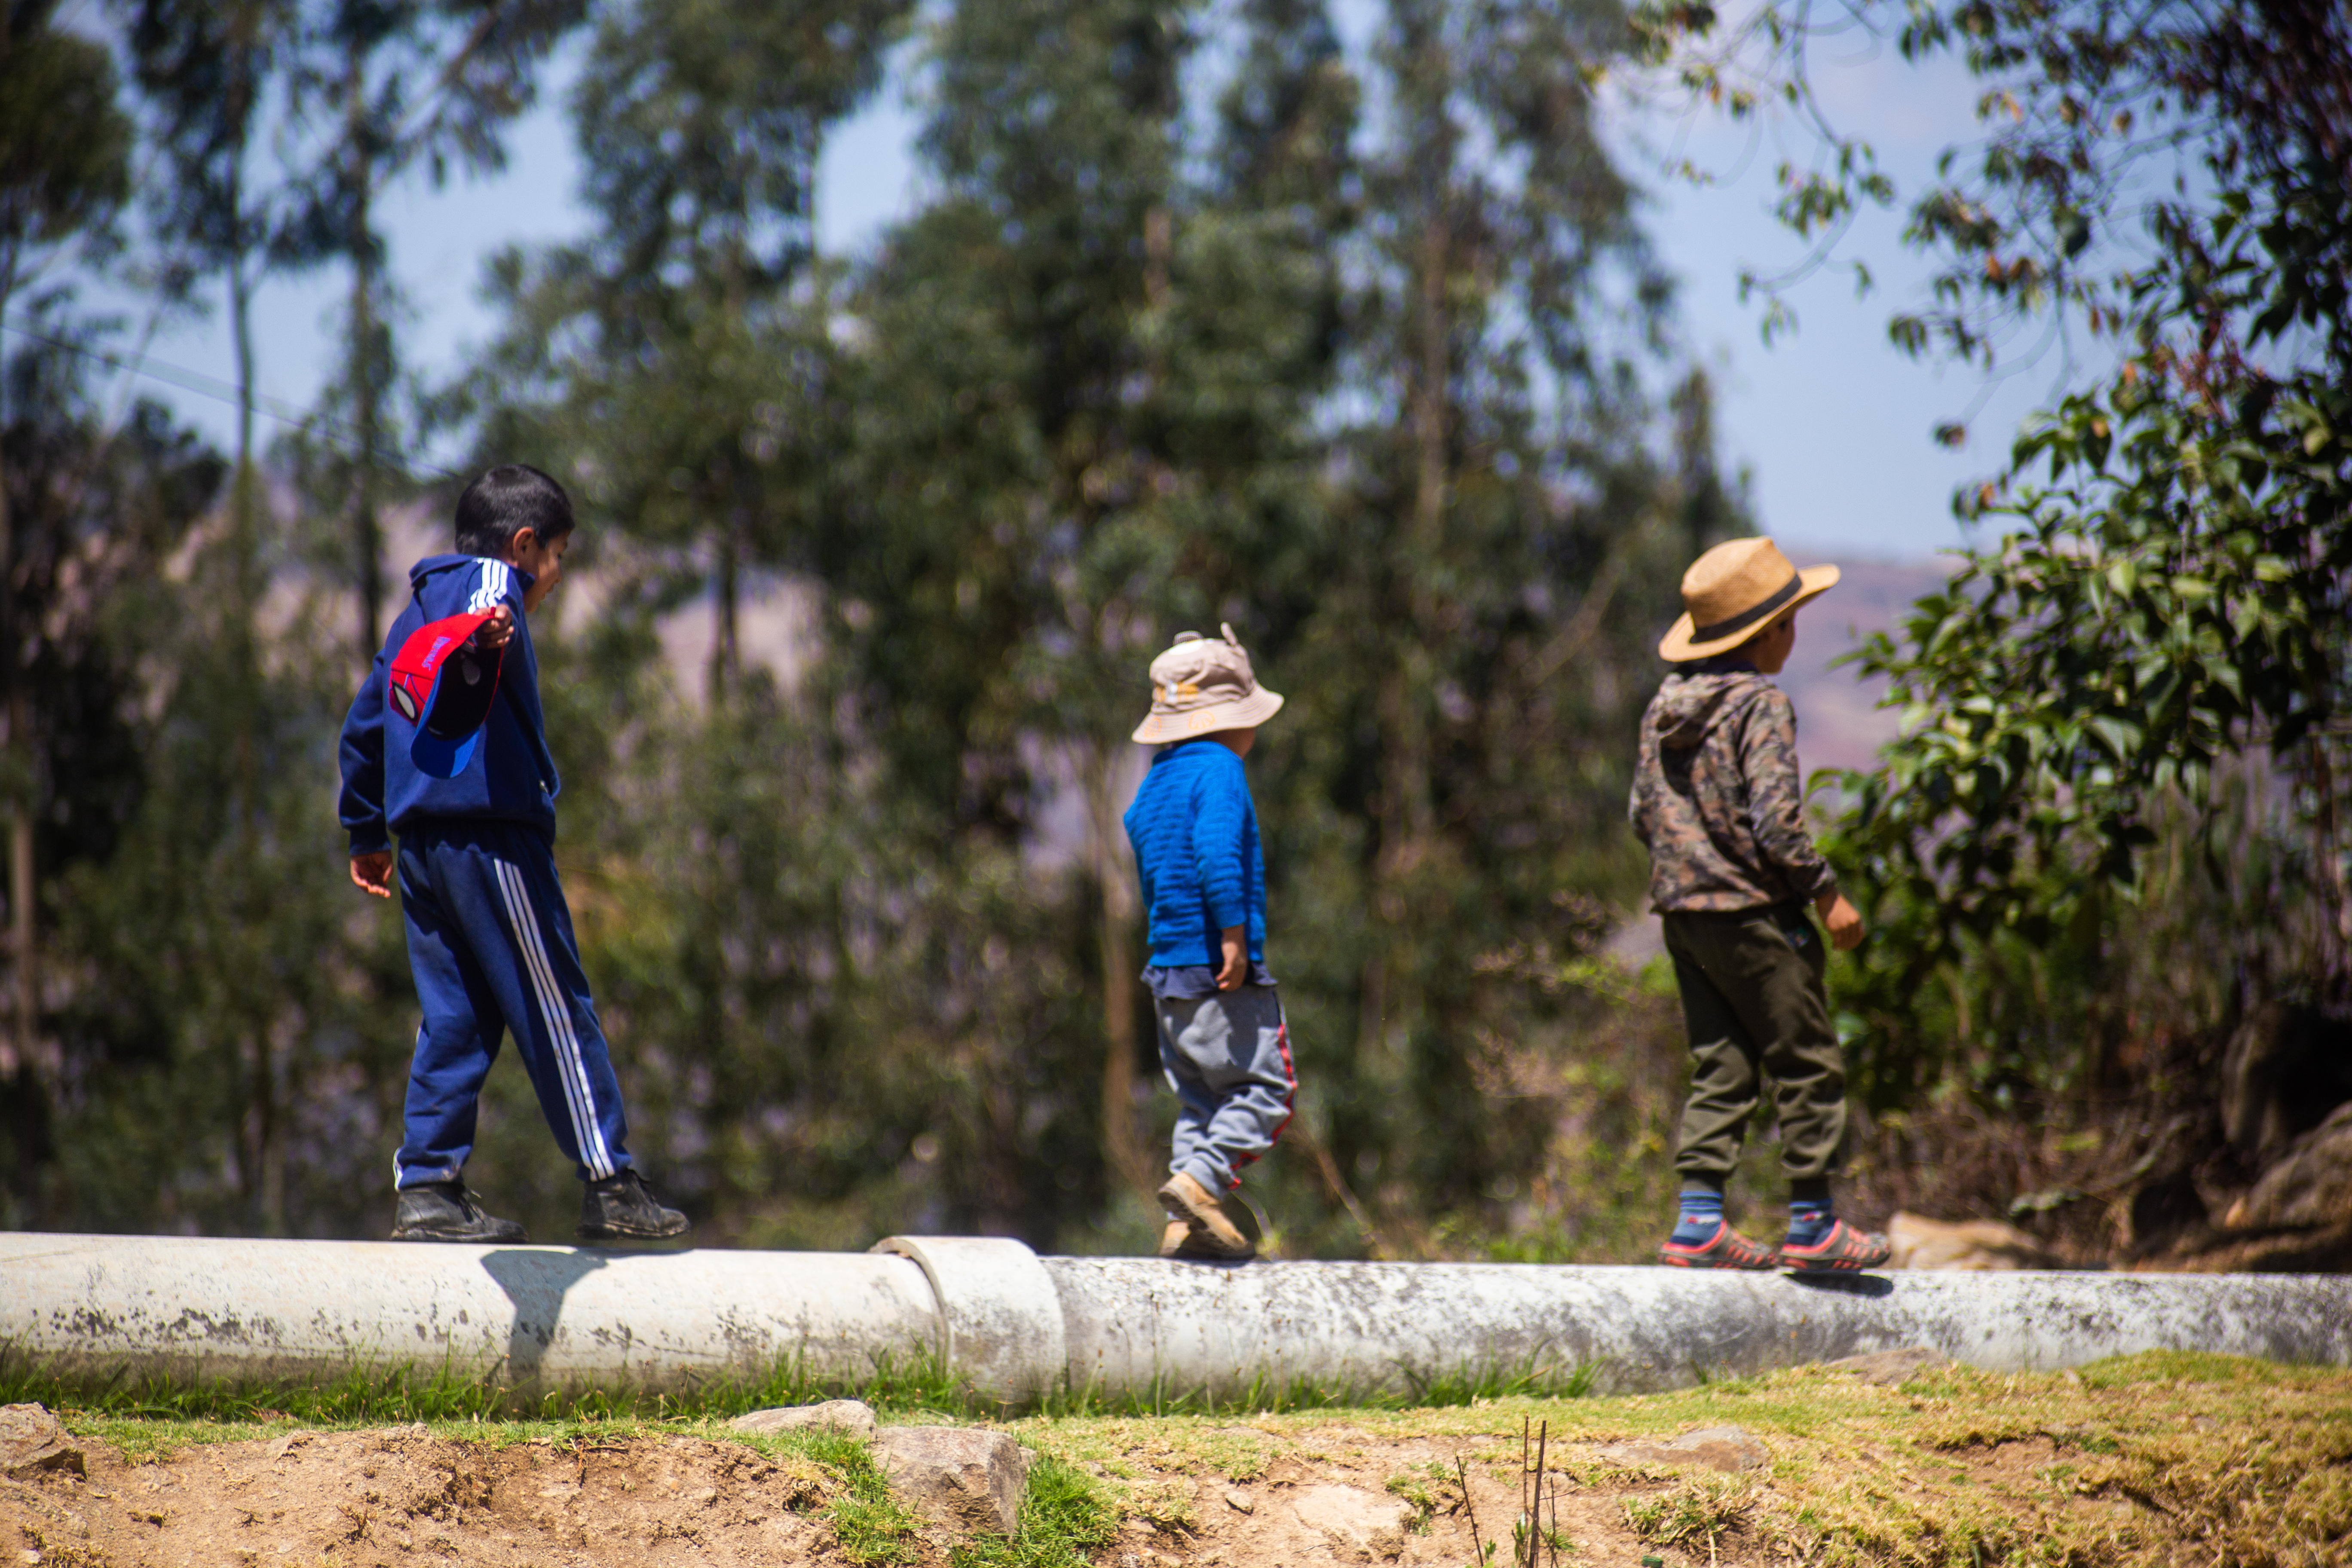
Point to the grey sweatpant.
(1227, 1056)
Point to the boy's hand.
(372, 873)
(496, 632)
(1842, 919)
(1237, 968)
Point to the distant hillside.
(1839, 722)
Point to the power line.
(204, 385)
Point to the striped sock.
(1702, 1213)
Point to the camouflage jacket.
(1718, 797)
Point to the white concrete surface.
(1129, 1323)
(526, 1314)
(1017, 1325)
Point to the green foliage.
(237, 1069)
(2123, 741)
(2171, 595)
(91, 518)
(1088, 394)
(1178, 334)
(64, 144)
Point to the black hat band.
(1749, 616)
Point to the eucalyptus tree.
(1502, 546)
(682, 366)
(1087, 377)
(64, 174)
(95, 512)
(210, 77)
(381, 87)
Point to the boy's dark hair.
(505, 501)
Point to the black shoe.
(620, 1208)
(446, 1211)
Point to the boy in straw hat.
(1718, 801)
(1221, 1039)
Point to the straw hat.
(1733, 592)
(1202, 685)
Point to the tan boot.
(1213, 1233)
(1173, 1239)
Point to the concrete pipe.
(1016, 1325)
(525, 1315)
(1137, 1323)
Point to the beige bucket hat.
(1733, 592)
(1202, 685)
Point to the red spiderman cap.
(443, 684)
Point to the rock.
(1358, 1523)
(2310, 1186)
(852, 1416)
(2167, 1207)
(1891, 1367)
(966, 1477)
(2323, 1249)
(1979, 1246)
(1726, 1448)
(31, 1440)
(1240, 1503)
(2284, 1069)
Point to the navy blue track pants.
(489, 940)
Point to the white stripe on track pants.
(490, 944)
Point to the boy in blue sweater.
(446, 747)
(1223, 1042)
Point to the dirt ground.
(2152, 1461)
(404, 1495)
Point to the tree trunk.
(367, 541)
(19, 1052)
(1123, 1149)
(1407, 811)
(22, 936)
(726, 583)
(2327, 829)
(241, 318)
(22, 941)
(24, 1034)
(1432, 417)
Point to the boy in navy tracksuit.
(1222, 1042)
(446, 747)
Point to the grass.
(402, 1396)
(2142, 1460)
(2139, 1461)
(901, 1385)
(871, 1525)
(1066, 1518)
(1264, 1394)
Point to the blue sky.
(1831, 425)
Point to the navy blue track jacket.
(511, 779)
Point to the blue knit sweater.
(1196, 838)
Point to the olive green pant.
(1755, 1006)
